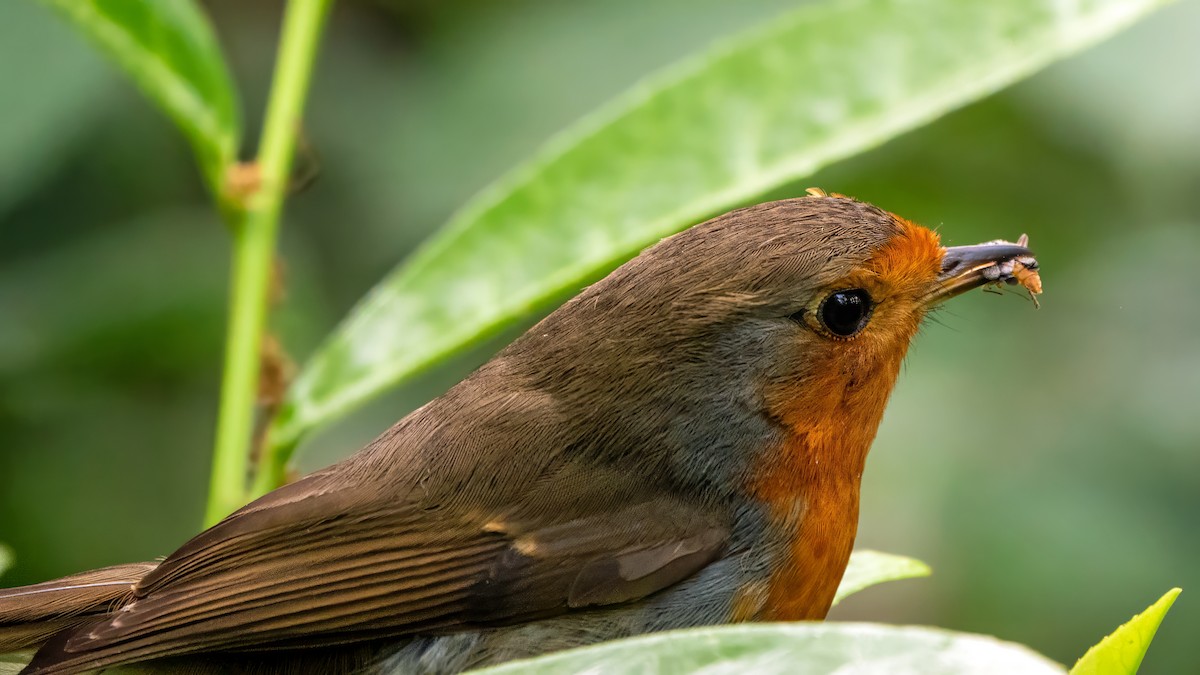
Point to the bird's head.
(788, 319)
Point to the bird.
(681, 444)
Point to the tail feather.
(30, 615)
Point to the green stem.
(254, 237)
(272, 467)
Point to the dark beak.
(968, 267)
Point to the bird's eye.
(844, 313)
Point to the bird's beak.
(968, 267)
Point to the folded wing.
(307, 567)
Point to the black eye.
(845, 313)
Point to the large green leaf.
(868, 568)
(11, 664)
(1121, 652)
(168, 48)
(739, 118)
(809, 648)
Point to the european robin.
(681, 444)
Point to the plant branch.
(255, 232)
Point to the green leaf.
(809, 648)
(6, 558)
(11, 664)
(868, 568)
(739, 118)
(1121, 652)
(168, 48)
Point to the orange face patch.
(911, 260)
(811, 481)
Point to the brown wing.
(30, 615)
(306, 567)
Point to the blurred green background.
(1045, 463)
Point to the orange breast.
(811, 486)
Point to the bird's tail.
(30, 615)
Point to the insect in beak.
(968, 267)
